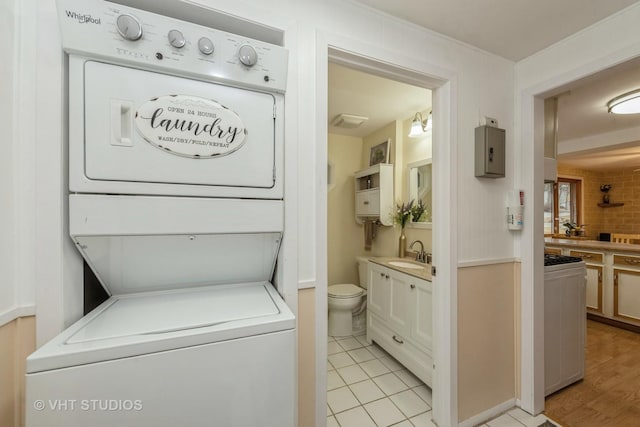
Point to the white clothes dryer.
(176, 146)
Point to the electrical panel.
(490, 152)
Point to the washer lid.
(162, 312)
(146, 323)
(345, 291)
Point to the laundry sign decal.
(190, 126)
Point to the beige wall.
(306, 357)
(487, 331)
(345, 236)
(17, 341)
(625, 189)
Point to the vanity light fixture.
(419, 127)
(627, 103)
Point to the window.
(561, 205)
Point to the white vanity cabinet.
(399, 318)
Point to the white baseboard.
(15, 312)
(485, 416)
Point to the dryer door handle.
(121, 123)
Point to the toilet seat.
(345, 291)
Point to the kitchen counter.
(613, 278)
(423, 273)
(592, 244)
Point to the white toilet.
(347, 305)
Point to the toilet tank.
(363, 266)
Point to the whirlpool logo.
(83, 18)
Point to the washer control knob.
(205, 45)
(176, 39)
(129, 27)
(248, 55)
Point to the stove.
(551, 259)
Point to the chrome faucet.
(421, 255)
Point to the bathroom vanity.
(399, 313)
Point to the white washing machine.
(176, 204)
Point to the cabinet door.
(368, 203)
(594, 288)
(378, 292)
(626, 294)
(399, 307)
(422, 303)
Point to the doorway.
(444, 236)
(365, 384)
(577, 151)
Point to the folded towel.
(369, 233)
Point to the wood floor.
(609, 395)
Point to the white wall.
(483, 85)
(607, 43)
(7, 217)
(17, 200)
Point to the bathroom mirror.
(420, 188)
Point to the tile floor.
(366, 387)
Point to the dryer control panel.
(120, 34)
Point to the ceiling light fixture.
(419, 127)
(628, 103)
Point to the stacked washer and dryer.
(176, 148)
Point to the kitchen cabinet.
(594, 263)
(399, 312)
(374, 194)
(626, 288)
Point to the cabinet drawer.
(593, 257)
(368, 202)
(552, 251)
(627, 260)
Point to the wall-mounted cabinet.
(374, 194)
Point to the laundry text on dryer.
(192, 141)
(215, 128)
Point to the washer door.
(147, 127)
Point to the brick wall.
(625, 188)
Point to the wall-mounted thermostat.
(490, 155)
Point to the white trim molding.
(481, 262)
(489, 414)
(17, 312)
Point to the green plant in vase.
(401, 217)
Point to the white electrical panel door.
(151, 128)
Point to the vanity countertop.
(422, 273)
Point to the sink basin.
(403, 264)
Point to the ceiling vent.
(348, 121)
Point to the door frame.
(375, 60)
(530, 105)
